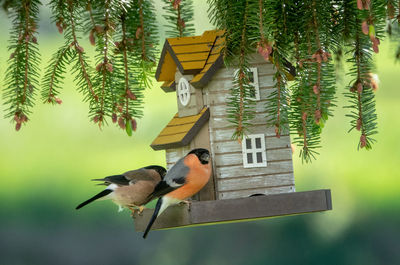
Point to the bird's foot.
(141, 209)
(132, 211)
(185, 202)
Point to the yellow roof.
(180, 130)
(192, 55)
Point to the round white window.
(183, 91)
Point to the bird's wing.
(142, 174)
(174, 179)
(116, 179)
(130, 177)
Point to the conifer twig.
(79, 50)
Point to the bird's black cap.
(160, 170)
(202, 154)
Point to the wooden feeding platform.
(237, 210)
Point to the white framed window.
(253, 149)
(253, 78)
(184, 91)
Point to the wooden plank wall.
(174, 154)
(232, 179)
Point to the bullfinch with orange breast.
(131, 189)
(187, 177)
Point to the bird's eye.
(205, 157)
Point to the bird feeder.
(250, 180)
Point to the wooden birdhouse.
(193, 68)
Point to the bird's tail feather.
(154, 217)
(95, 197)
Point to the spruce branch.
(54, 75)
(135, 58)
(79, 51)
(112, 81)
(277, 106)
(314, 90)
(393, 25)
(239, 108)
(104, 68)
(274, 49)
(22, 73)
(179, 16)
(147, 54)
(361, 96)
(318, 56)
(124, 33)
(126, 120)
(241, 80)
(66, 19)
(90, 25)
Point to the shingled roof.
(180, 130)
(200, 56)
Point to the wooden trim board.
(237, 210)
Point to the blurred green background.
(45, 171)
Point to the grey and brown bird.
(187, 177)
(131, 189)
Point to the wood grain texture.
(191, 40)
(163, 140)
(220, 96)
(229, 159)
(233, 146)
(200, 56)
(172, 155)
(260, 118)
(212, 58)
(225, 133)
(249, 192)
(202, 79)
(236, 210)
(221, 109)
(172, 130)
(168, 139)
(188, 54)
(174, 216)
(254, 182)
(214, 62)
(265, 69)
(169, 86)
(193, 65)
(274, 167)
(195, 104)
(182, 120)
(202, 47)
(166, 67)
(225, 84)
(233, 180)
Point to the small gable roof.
(180, 130)
(199, 55)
